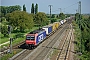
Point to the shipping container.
(64, 20)
(61, 22)
(56, 24)
(48, 29)
(53, 27)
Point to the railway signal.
(9, 29)
(11, 39)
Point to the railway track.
(23, 54)
(42, 49)
(5, 50)
(56, 46)
(41, 52)
(64, 51)
(20, 56)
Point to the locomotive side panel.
(41, 36)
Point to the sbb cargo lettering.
(40, 38)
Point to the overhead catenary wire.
(71, 5)
(60, 10)
(65, 7)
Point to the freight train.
(34, 38)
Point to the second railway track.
(64, 51)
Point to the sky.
(67, 6)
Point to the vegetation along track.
(5, 50)
(50, 44)
(41, 52)
(63, 54)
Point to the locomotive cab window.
(30, 37)
(27, 37)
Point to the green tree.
(41, 19)
(77, 17)
(20, 20)
(67, 15)
(2, 19)
(57, 16)
(53, 16)
(53, 20)
(32, 8)
(36, 8)
(84, 23)
(1, 14)
(3, 9)
(8, 15)
(4, 30)
(8, 9)
(62, 16)
(24, 8)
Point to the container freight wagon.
(61, 22)
(35, 37)
(56, 25)
(48, 29)
(53, 27)
(64, 20)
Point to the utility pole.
(76, 11)
(50, 12)
(80, 7)
(79, 11)
(60, 10)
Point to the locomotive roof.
(37, 31)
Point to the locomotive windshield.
(30, 38)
